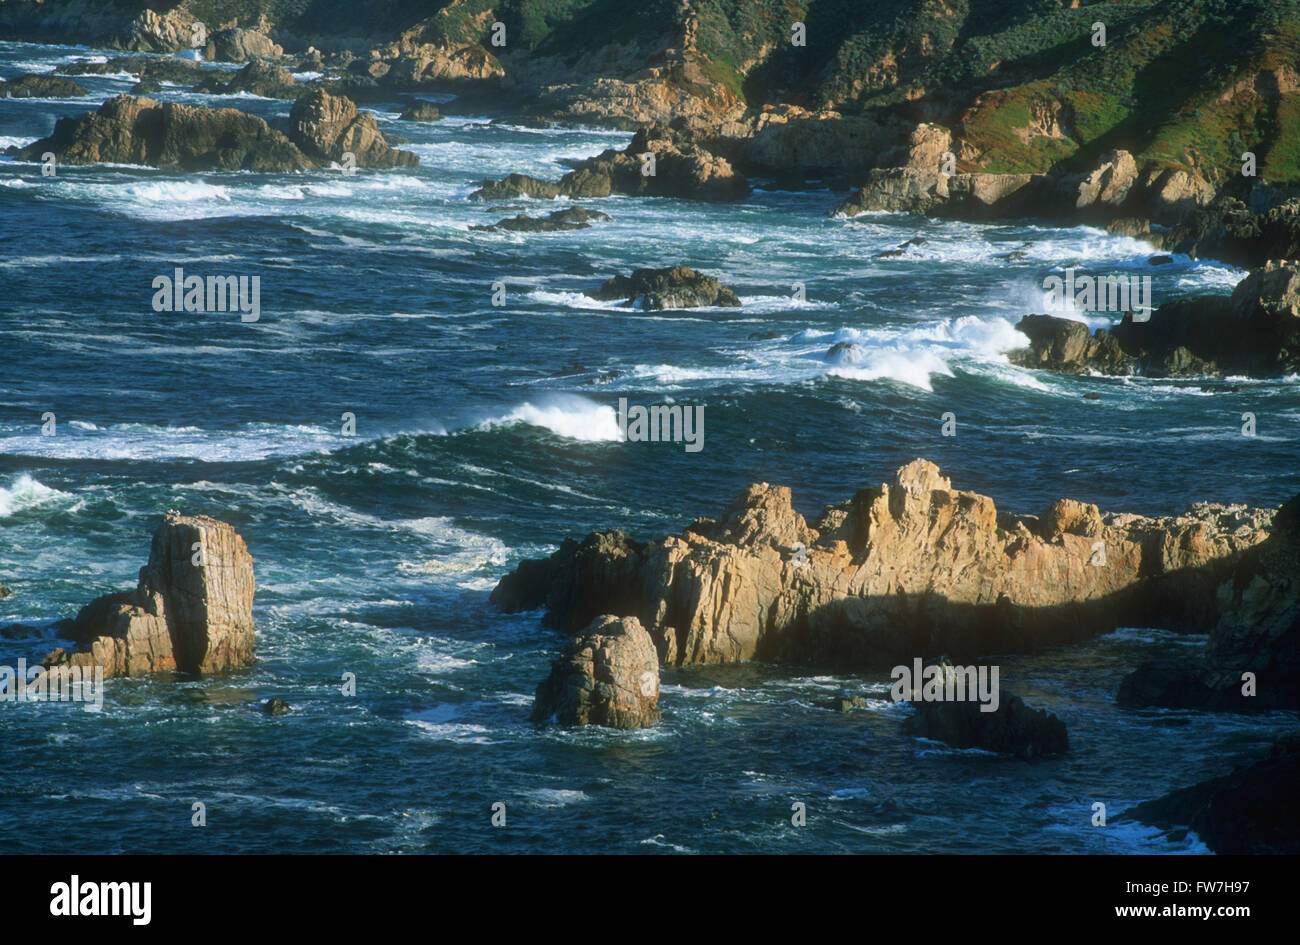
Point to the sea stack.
(192, 611)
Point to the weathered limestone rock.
(907, 568)
(325, 126)
(608, 675)
(192, 611)
(675, 287)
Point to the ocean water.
(478, 443)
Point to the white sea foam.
(23, 493)
(570, 416)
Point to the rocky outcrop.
(40, 86)
(675, 287)
(256, 78)
(420, 111)
(574, 218)
(904, 569)
(1228, 230)
(1255, 332)
(128, 130)
(608, 675)
(240, 45)
(327, 126)
(680, 169)
(1013, 728)
(1258, 632)
(1250, 811)
(192, 611)
(157, 32)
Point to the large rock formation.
(1255, 331)
(128, 130)
(240, 45)
(327, 126)
(1230, 231)
(905, 569)
(1249, 811)
(681, 168)
(675, 287)
(191, 612)
(608, 675)
(1258, 632)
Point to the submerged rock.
(1250, 811)
(1013, 728)
(608, 675)
(192, 611)
(276, 706)
(574, 218)
(675, 287)
(902, 569)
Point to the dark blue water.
(475, 447)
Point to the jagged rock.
(1250, 811)
(160, 32)
(1255, 331)
(1258, 632)
(1108, 186)
(574, 218)
(1227, 230)
(240, 45)
(257, 78)
(326, 126)
(40, 86)
(192, 611)
(276, 706)
(420, 111)
(902, 569)
(1013, 728)
(675, 287)
(681, 169)
(608, 675)
(129, 130)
